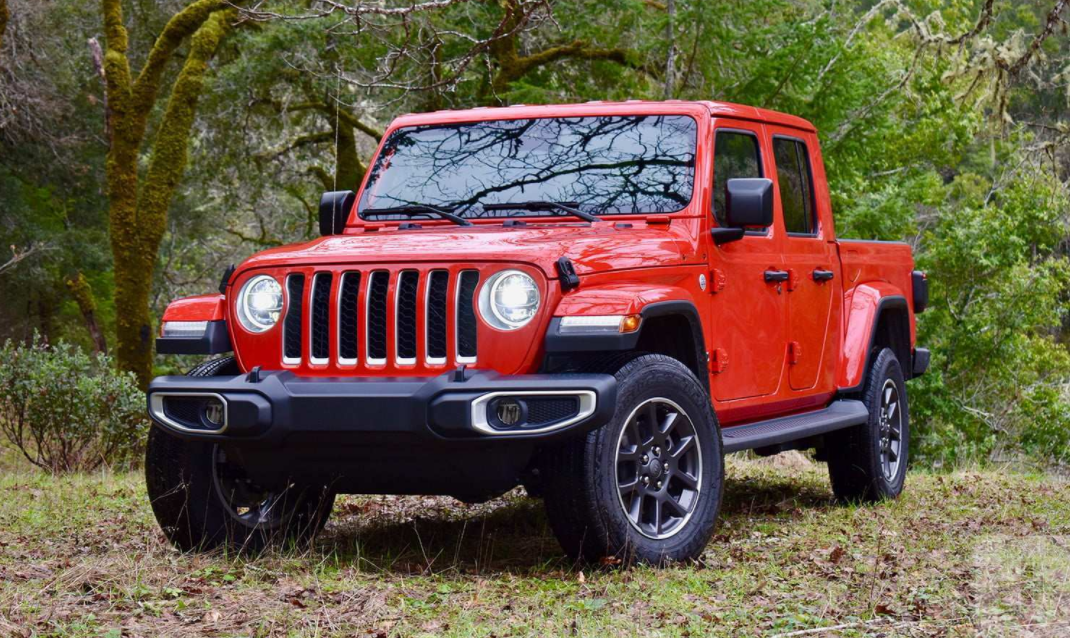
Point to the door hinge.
(793, 279)
(718, 280)
(719, 361)
(794, 352)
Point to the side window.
(796, 185)
(735, 155)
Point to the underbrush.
(65, 410)
(965, 553)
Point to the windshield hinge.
(226, 279)
(567, 274)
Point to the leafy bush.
(1000, 373)
(66, 410)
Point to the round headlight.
(259, 303)
(509, 300)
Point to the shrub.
(999, 278)
(66, 410)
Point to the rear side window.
(796, 185)
(735, 155)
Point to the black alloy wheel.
(659, 468)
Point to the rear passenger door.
(809, 257)
(748, 314)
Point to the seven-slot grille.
(351, 315)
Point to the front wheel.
(202, 499)
(647, 486)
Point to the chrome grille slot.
(292, 324)
(344, 319)
(320, 337)
(348, 307)
(375, 316)
(405, 316)
(438, 282)
(466, 316)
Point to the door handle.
(775, 276)
(822, 275)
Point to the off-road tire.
(856, 467)
(181, 477)
(581, 488)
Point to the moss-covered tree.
(349, 168)
(80, 289)
(508, 65)
(139, 201)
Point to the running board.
(840, 414)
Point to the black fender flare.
(557, 343)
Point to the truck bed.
(872, 261)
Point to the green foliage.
(928, 136)
(999, 286)
(67, 411)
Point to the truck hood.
(598, 247)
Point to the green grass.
(969, 553)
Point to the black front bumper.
(277, 409)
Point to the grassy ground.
(978, 553)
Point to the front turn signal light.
(600, 324)
(630, 323)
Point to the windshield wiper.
(565, 207)
(417, 209)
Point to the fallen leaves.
(785, 558)
(836, 554)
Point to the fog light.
(508, 412)
(214, 412)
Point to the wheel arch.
(674, 329)
(671, 327)
(878, 316)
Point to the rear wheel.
(647, 486)
(869, 462)
(202, 499)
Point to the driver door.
(747, 313)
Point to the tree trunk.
(508, 66)
(138, 216)
(670, 58)
(132, 265)
(348, 169)
(87, 305)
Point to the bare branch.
(670, 58)
(18, 255)
(1045, 33)
(325, 137)
(355, 10)
(859, 116)
(98, 63)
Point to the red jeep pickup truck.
(597, 301)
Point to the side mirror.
(749, 202)
(334, 210)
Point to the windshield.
(598, 165)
